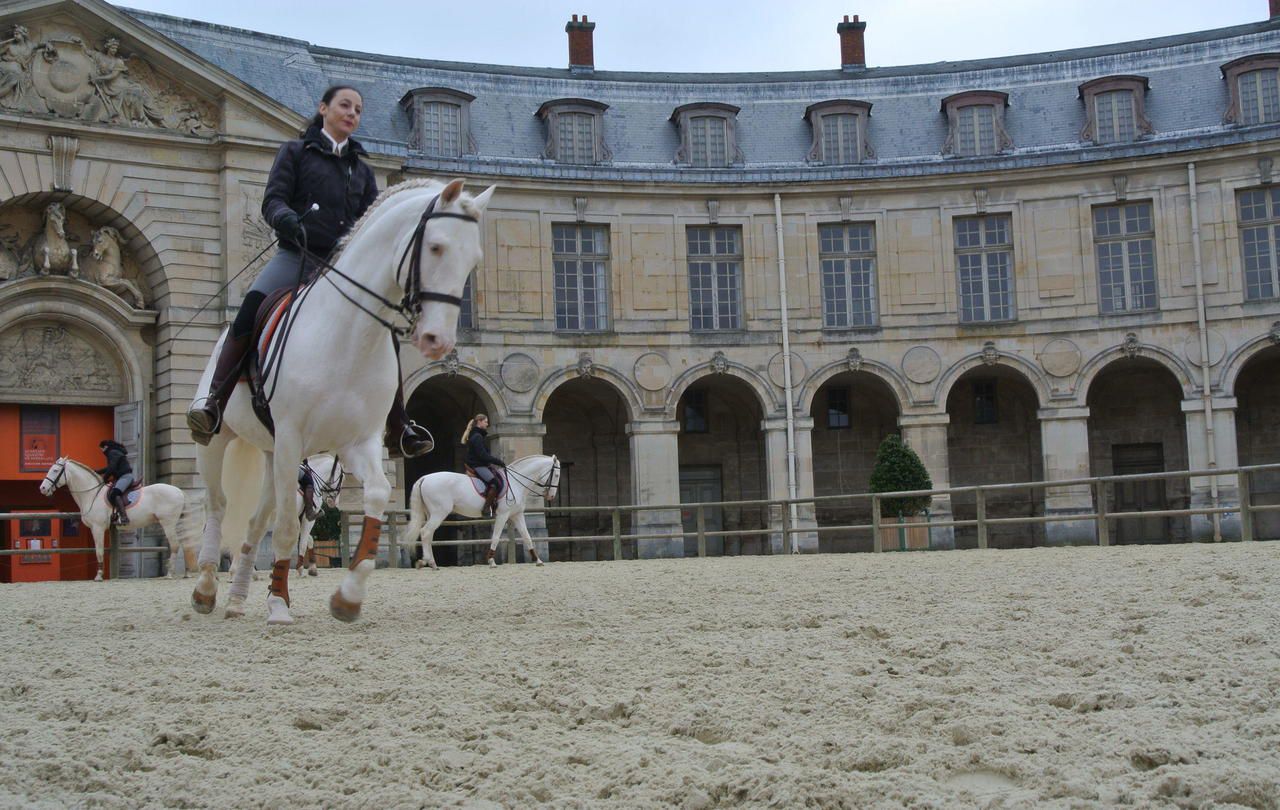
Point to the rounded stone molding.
(921, 364)
(798, 369)
(1217, 348)
(1060, 358)
(652, 371)
(519, 372)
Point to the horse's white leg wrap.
(211, 541)
(241, 573)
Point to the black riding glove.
(290, 227)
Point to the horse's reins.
(62, 474)
(409, 308)
(545, 486)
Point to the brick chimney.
(581, 56)
(853, 51)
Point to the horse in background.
(154, 503)
(434, 497)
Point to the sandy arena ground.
(1145, 676)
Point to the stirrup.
(415, 440)
(198, 421)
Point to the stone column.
(775, 433)
(516, 440)
(1224, 444)
(926, 434)
(1064, 441)
(655, 476)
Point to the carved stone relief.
(921, 364)
(49, 360)
(1060, 357)
(57, 72)
(798, 369)
(586, 367)
(55, 242)
(652, 371)
(990, 354)
(519, 372)
(1132, 347)
(255, 235)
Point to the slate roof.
(1186, 103)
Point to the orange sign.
(38, 445)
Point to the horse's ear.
(481, 200)
(451, 191)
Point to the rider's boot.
(117, 502)
(206, 420)
(404, 436)
(307, 488)
(491, 498)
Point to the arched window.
(441, 121)
(839, 132)
(1253, 83)
(575, 130)
(976, 120)
(708, 135)
(1115, 109)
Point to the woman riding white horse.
(336, 377)
(437, 495)
(156, 503)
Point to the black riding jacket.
(117, 462)
(305, 172)
(478, 454)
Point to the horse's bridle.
(544, 485)
(62, 473)
(61, 477)
(410, 306)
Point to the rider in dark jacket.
(317, 189)
(118, 473)
(481, 460)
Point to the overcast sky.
(714, 35)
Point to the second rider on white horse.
(481, 461)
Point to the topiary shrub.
(899, 469)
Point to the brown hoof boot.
(202, 603)
(342, 608)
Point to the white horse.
(437, 495)
(158, 503)
(326, 476)
(338, 374)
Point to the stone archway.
(852, 413)
(586, 420)
(1136, 425)
(1257, 439)
(723, 458)
(443, 404)
(994, 438)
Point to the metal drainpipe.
(786, 368)
(1206, 393)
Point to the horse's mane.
(407, 185)
(533, 455)
(69, 460)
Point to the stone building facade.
(1035, 267)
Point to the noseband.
(62, 471)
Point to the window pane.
(840, 138)
(715, 278)
(847, 264)
(581, 284)
(837, 408)
(984, 267)
(1125, 252)
(466, 315)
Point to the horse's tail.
(417, 518)
(243, 470)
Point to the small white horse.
(158, 503)
(327, 475)
(437, 495)
(407, 258)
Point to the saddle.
(270, 314)
(131, 495)
(500, 477)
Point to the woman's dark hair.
(317, 120)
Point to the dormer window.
(575, 130)
(708, 135)
(441, 121)
(1115, 109)
(976, 121)
(839, 132)
(1255, 90)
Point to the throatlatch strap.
(280, 579)
(368, 548)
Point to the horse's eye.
(437, 249)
